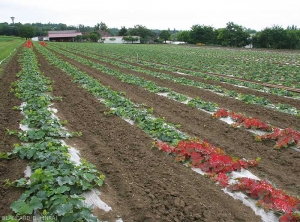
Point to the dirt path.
(142, 184)
(9, 119)
(280, 167)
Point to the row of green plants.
(246, 98)
(224, 79)
(285, 138)
(236, 82)
(146, 84)
(118, 103)
(251, 65)
(210, 159)
(53, 190)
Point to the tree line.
(233, 35)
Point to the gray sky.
(160, 14)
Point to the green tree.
(78, 38)
(26, 31)
(202, 34)
(233, 35)
(141, 31)
(278, 38)
(164, 35)
(93, 37)
(130, 39)
(103, 26)
(62, 26)
(5, 29)
(184, 36)
(122, 31)
(82, 28)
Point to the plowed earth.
(144, 184)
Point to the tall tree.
(93, 36)
(122, 31)
(164, 35)
(103, 26)
(233, 35)
(184, 36)
(26, 31)
(278, 38)
(202, 34)
(144, 33)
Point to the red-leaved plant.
(284, 138)
(28, 44)
(208, 158)
(243, 121)
(269, 197)
(42, 43)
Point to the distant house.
(118, 40)
(63, 36)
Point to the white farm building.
(118, 40)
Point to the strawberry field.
(157, 132)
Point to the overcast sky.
(154, 14)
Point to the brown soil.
(276, 118)
(238, 143)
(273, 98)
(9, 119)
(141, 184)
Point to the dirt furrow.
(9, 119)
(141, 184)
(264, 114)
(271, 97)
(280, 167)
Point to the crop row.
(284, 138)
(246, 98)
(119, 105)
(236, 82)
(146, 84)
(53, 190)
(211, 160)
(226, 62)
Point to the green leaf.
(85, 185)
(20, 207)
(65, 180)
(63, 209)
(36, 203)
(30, 153)
(69, 218)
(62, 189)
(21, 182)
(88, 176)
(99, 182)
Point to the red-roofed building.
(63, 35)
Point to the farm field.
(175, 101)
